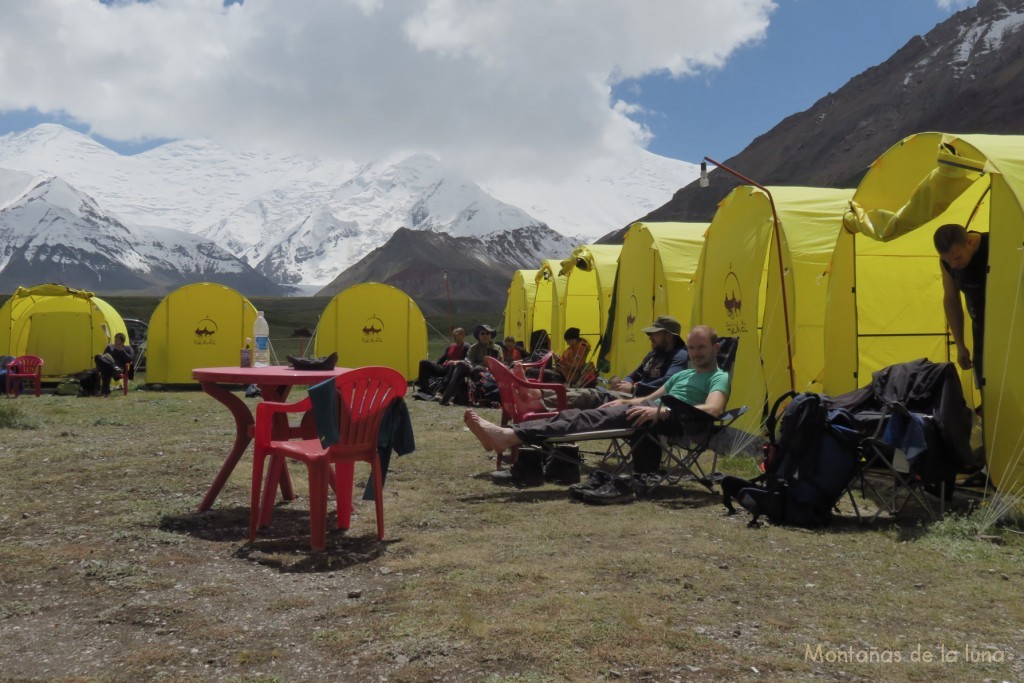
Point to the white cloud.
(483, 83)
(953, 5)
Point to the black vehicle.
(137, 332)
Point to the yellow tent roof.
(519, 305)
(922, 182)
(65, 327)
(373, 324)
(657, 267)
(590, 283)
(199, 325)
(740, 290)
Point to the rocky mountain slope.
(964, 76)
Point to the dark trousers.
(428, 371)
(646, 453)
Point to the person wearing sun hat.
(667, 357)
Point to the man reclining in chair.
(704, 385)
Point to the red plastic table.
(274, 382)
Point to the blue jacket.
(656, 368)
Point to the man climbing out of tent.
(430, 370)
(703, 385)
(666, 357)
(963, 258)
(113, 361)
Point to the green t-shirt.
(694, 387)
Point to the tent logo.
(733, 303)
(205, 333)
(631, 317)
(372, 328)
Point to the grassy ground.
(108, 574)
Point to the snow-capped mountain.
(51, 232)
(303, 221)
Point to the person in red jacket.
(455, 352)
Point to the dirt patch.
(108, 573)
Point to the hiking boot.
(645, 483)
(596, 480)
(618, 491)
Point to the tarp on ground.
(200, 325)
(548, 302)
(590, 284)
(373, 324)
(63, 326)
(519, 305)
(886, 253)
(740, 291)
(656, 276)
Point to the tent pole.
(778, 251)
(448, 294)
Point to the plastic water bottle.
(261, 335)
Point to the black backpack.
(810, 458)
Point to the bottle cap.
(259, 314)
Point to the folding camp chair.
(898, 464)
(683, 439)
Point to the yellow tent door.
(590, 282)
(519, 305)
(657, 268)
(374, 324)
(200, 325)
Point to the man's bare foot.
(491, 436)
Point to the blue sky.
(812, 47)
(363, 78)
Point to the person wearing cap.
(472, 366)
(571, 366)
(666, 357)
(703, 385)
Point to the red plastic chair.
(126, 378)
(362, 396)
(24, 367)
(521, 397)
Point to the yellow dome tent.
(657, 268)
(549, 302)
(373, 324)
(197, 326)
(519, 305)
(63, 326)
(896, 313)
(739, 291)
(590, 284)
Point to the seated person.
(455, 352)
(510, 351)
(666, 357)
(540, 344)
(571, 367)
(703, 385)
(471, 367)
(112, 362)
